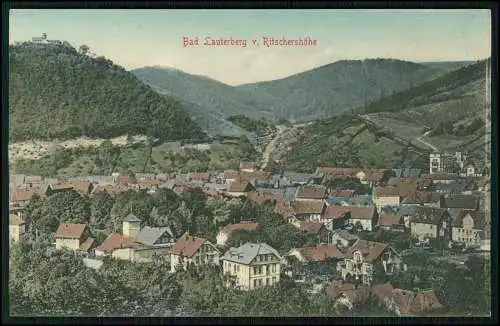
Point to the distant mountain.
(57, 92)
(343, 85)
(207, 93)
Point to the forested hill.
(457, 83)
(337, 87)
(58, 92)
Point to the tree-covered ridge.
(259, 126)
(56, 91)
(437, 90)
(340, 86)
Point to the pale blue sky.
(136, 38)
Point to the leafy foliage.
(57, 92)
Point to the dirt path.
(434, 148)
(266, 155)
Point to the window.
(234, 268)
(255, 270)
(273, 268)
(260, 282)
(237, 268)
(254, 283)
(274, 279)
(266, 257)
(267, 281)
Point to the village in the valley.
(441, 211)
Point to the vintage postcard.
(247, 163)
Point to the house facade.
(431, 223)
(192, 250)
(252, 265)
(366, 258)
(17, 228)
(468, 228)
(74, 237)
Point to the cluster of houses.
(438, 206)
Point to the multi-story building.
(469, 228)
(366, 258)
(446, 162)
(430, 223)
(252, 265)
(194, 250)
(75, 237)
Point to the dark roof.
(72, 231)
(311, 192)
(246, 253)
(460, 201)
(149, 236)
(370, 250)
(422, 197)
(429, 215)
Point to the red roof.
(187, 246)
(87, 244)
(238, 186)
(248, 165)
(309, 207)
(311, 227)
(72, 231)
(115, 241)
(199, 176)
(61, 186)
(284, 210)
(321, 252)
(311, 192)
(24, 194)
(260, 197)
(243, 225)
(370, 250)
(356, 212)
(125, 179)
(389, 219)
(342, 192)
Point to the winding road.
(419, 138)
(434, 148)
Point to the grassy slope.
(457, 97)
